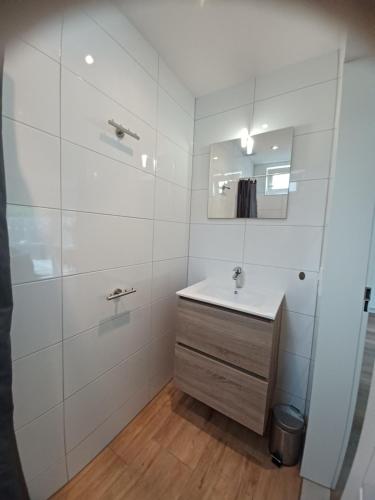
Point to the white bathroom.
(187, 251)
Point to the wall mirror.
(249, 177)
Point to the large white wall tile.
(306, 205)
(84, 120)
(34, 241)
(46, 36)
(113, 70)
(37, 384)
(161, 362)
(307, 110)
(170, 240)
(201, 169)
(284, 398)
(171, 201)
(97, 440)
(175, 88)
(32, 165)
(297, 333)
(294, 247)
(109, 17)
(216, 270)
(173, 162)
(85, 303)
(199, 210)
(94, 242)
(311, 157)
(89, 407)
(31, 330)
(174, 122)
(296, 76)
(168, 276)
(41, 443)
(30, 79)
(163, 316)
(223, 100)
(293, 374)
(94, 183)
(42, 486)
(222, 127)
(300, 295)
(89, 354)
(214, 241)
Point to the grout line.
(61, 252)
(76, 211)
(157, 79)
(60, 403)
(16, 120)
(254, 101)
(154, 198)
(142, 388)
(135, 115)
(116, 365)
(25, 124)
(304, 87)
(149, 303)
(332, 163)
(116, 160)
(39, 350)
(231, 223)
(95, 271)
(254, 264)
(41, 51)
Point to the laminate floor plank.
(177, 448)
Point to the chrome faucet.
(238, 276)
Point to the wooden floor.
(179, 449)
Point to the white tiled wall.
(272, 252)
(88, 213)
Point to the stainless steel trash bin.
(288, 426)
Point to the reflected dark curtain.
(12, 482)
(247, 206)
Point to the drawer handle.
(121, 131)
(116, 294)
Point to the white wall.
(87, 214)
(273, 252)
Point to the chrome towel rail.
(121, 131)
(120, 293)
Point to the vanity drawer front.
(234, 393)
(236, 338)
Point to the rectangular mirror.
(249, 177)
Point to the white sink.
(262, 303)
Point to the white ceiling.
(213, 44)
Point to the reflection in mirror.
(249, 177)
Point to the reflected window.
(277, 180)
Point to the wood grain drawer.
(233, 392)
(236, 338)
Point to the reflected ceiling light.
(244, 136)
(249, 145)
(89, 59)
(144, 160)
(215, 157)
(275, 147)
(265, 126)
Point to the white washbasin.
(262, 303)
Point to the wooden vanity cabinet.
(228, 360)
